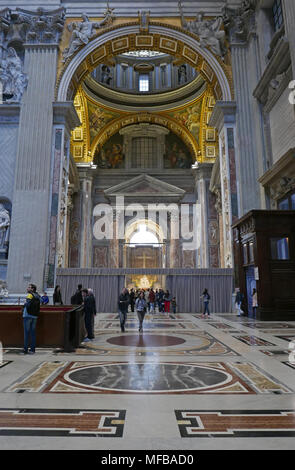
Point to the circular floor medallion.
(145, 341)
(148, 377)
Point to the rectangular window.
(279, 248)
(144, 83)
(144, 152)
(284, 205)
(245, 253)
(288, 203)
(251, 252)
(278, 17)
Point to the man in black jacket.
(88, 310)
(123, 303)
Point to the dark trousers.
(140, 318)
(123, 318)
(89, 324)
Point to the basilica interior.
(148, 147)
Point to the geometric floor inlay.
(262, 423)
(54, 423)
(253, 340)
(147, 377)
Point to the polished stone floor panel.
(241, 423)
(185, 343)
(57, 423)
(183, 377)
(147, 377)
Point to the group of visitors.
(144, 300)
(31, 311)
(85, 297)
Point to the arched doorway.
(144, 248)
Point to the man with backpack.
(31, 310)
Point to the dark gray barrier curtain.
(186, 285)
(188, 290)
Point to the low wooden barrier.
(57, 326)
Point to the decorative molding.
(82, 62)
(279, 64)
(240, 23)
(40, 26)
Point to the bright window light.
(143, 237)
(143, 83)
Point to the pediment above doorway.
(145, 188)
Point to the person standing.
(238, 302)
(206, 298)
(254, 301)
(167, 302)
(174, 305)
(93, 303)
(31, 310)
(132, 299)
(88, 311)
(161, 300)
(57, 300)
(77, 298)
(152, 298)
(140, 306)
(123, 307)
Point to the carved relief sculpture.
(13, 79)
(4, 228)
(208, 31)
(83, 31)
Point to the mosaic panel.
(253, 341)
(236, 423)
(275, 353)
(153, 377)
(56, 423)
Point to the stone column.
(202, 177)
(223, 118)
(86, 217)
(246, 68)
(32, 182)
(174, 241)
(64, 120)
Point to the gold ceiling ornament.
(80, 141)
(208, 135)
(163, 120)
(158, 42)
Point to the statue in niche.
(106, 76)
(182, 75)
(14, 81)
(208, 31)
(83, 31)
(4, 228)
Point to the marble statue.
(14, 81)
(208, 31)
(83, 31)
(4, 227)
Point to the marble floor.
(184, 383)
